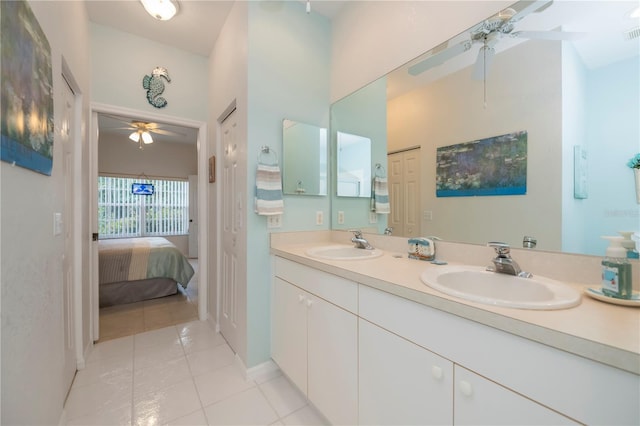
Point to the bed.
(135, 269)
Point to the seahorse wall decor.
(155, 86)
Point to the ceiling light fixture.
(162, 10)
(140, 136)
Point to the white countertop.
(599, 331)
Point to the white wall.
(172, 160)
(371, 38)
(31, 273)
(120, 61)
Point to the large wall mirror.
(568, 74)
(304, 158)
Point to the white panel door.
(396, 193)
(230, 229)
(401, 383)
(193, 216)
(65, 221)
(411, 184)
(332, 345)
(404, 192)
(479, 401)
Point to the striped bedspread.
(130, 259)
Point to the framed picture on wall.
(212, 169)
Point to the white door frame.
(203, 174)
(76, 231)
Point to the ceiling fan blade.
(483, 62)
(439, 56)
(549, 35)
(166, 132)
(524, 8)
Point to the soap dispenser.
(629, 244)
(616, 270)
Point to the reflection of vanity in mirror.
(564, 73)
(304, 159)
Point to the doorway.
(199, 130)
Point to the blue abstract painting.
(491, 166)
(26, 94)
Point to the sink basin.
(343, 252)
(478, 285)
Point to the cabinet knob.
(465, 388)
(309, 303)
(436, 372)
(300, 298)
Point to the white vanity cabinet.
(500, 378)
(479, 401)
(315, 337)
(401, 383)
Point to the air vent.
(632, 33)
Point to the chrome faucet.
(503, 263)
(388, 230)
(359, 240)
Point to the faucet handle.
(502, 249)
(356, 232)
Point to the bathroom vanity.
(368, 343)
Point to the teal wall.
(288, 62)
(613, 137)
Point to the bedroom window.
(122, 214)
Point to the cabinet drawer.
(337, 290)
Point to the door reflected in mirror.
(304, 158)
(354, 165)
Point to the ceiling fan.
(488, 33)
(141, 130)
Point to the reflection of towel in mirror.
(380, 196)
(268, 199)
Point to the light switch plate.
(319, 217)
(340, 218)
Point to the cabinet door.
(401, 383)
(333, 361)
(479, 401)
(289, 331)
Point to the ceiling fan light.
(162, 10)
(146, 137)
(135, 136)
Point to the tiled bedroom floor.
(179, 375)
(126, 320)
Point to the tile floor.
(126, 320)
(179, 375)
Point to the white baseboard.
(260, 372)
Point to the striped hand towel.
(380, 196)
(268, 199)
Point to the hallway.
(179, 375)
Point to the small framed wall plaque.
(579, 172)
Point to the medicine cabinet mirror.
(304, 159)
